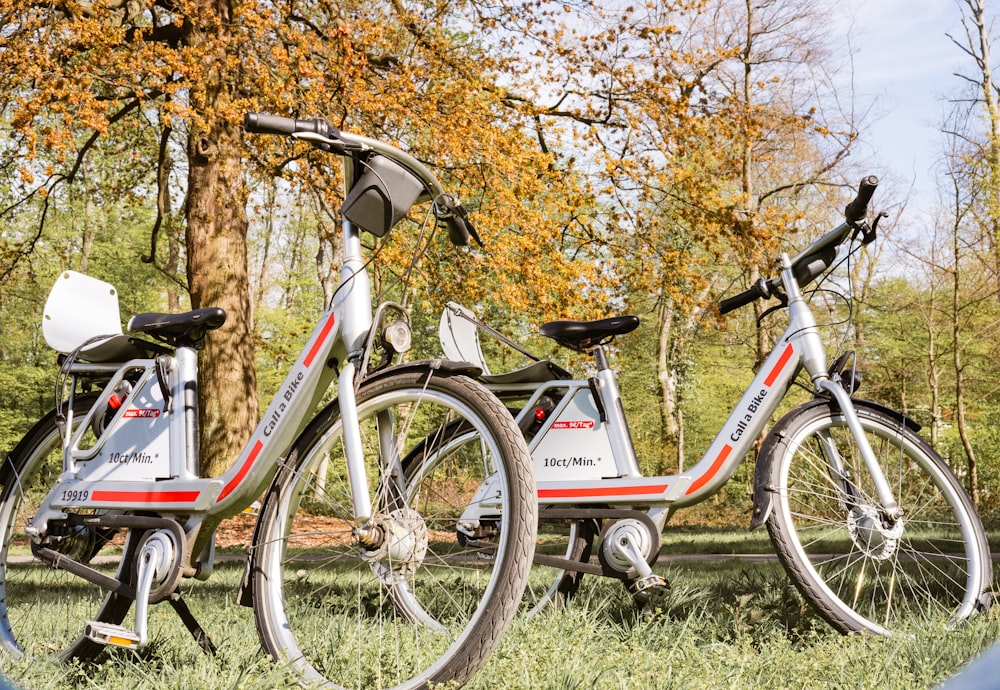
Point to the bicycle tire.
(860, 573)
(344, 617)
(43, 609)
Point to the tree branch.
(162, 192)
(49, 186)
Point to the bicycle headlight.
(396, 336)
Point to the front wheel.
(422, 592)
(861, 569)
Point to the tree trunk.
(934, 383)
(978, 39)
(217, 252)
(667, 377)
(265, 257)
(172, 264)
(972, 466)
(956, 325)
(992, 112)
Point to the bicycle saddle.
(182, 330)
(583, 335)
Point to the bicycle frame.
(338, 341)
(621, 482)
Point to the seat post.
(600, 357)
(604, 387)
(184, 420)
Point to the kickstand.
(200, 636)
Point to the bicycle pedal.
(111, 635)
(646, 590)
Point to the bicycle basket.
(382, 196)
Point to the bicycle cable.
(63, 375)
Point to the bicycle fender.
(440, 367)
(762, 493)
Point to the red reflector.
(114, 402)
(539, 414)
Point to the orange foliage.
(598, 145)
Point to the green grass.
(724, 625)
(727, 625)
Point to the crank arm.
(488, 547)
(64, 562)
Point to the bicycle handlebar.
(804, 263)
(321, 134)
(760, 290)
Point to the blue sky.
(906, 62)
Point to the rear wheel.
(422, 593)
(861, 569)
(43, 609)
(550, 584)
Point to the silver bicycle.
(357, 572)
(870, 523)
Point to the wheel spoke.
(43, 609)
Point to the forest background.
(645, 158)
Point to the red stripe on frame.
(235, 481)
(703, 479)
(599, 491)
(782, 361)
(327, 327)
(146, 496)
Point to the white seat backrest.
(460, 337)
(79, 308)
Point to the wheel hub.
(868, 531)
(403, 545)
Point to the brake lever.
(782, 303)
(869, 232)
(447, 207)
(879, 216)
(337, 146)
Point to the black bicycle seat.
(583, 335)
(182, 330)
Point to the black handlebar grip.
(744, 298)
(858, 209)
(262, 123)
